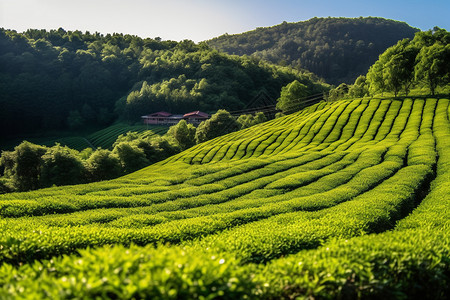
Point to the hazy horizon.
(200, 20)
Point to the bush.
(183, 133)
(61, 166)
(131, 157)
(103, 165)
(220, 123)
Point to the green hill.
(57, 79)
(103, 138)
(337, 49)
(340, 200)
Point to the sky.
(200, 20)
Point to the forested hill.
(57, 79)
(337, 49)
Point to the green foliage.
(398, 71)
(61, 166)
(291, 96)
(424, 60)
(341, 200)
(5, 186)
(251, 120)
(339, 92)
(131, 157)
(103, 165)
(360, 88)
(432, 66)
(75, 120)
(106, 137)
(336, 49)
(183, 133)
(23, 165)
(219, 124)
(61, 79)
(31, 166)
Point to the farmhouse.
(166, 118)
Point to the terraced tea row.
(105, 138)
(335, 172)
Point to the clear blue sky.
(204, 19)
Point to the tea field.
(342, 200)
(103, 138)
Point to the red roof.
(196, 114)
(160, 114)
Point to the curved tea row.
(344, 176)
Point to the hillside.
(103, 138)
(336, 49)
(340, 200)
(61, 79)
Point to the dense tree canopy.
(433, 65)
(337, 49)
(69, 79)
(291, 97)
(423, 61)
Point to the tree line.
(336, 49)
(30, 166)
(62, 79)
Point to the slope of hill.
(337, 49)
(68, 79)
(103, 138)
(335, 200)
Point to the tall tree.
(399, 69)
(375, 76)
(291, 97)
(433, 66)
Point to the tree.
(131, 157)
(220, 123)
(399, 69)
(433, 66)
(250, 120)
(5, 186)
(103, 165)
(183, 133)
(75, 120)
(291, 97)
(87, 113)
(394, 69)
(359, 88)
(23, 165)
(375, 77)
(7, 163)
(61, 166)
(339, 92)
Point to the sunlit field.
(347, 198)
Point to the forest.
(69, 79)
(336, 49)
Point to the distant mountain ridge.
(337, 49)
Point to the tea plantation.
(341, 200)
